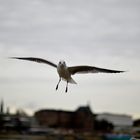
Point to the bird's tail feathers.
(71, 81)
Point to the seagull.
(66, 72)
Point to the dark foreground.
(48, 137)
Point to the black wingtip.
(16, 57)
(125, 71)
(13, 58)
(120, 71)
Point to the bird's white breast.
(63, 72)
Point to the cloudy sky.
(103, 33)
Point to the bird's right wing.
(38, 60)
(90, 69)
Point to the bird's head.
(62, 63)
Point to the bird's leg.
(66, 87)
(58, 83)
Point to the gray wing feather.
(38, 60)
(90, 69)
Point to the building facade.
(81, 120)
(120, 122)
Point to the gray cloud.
(100, 32)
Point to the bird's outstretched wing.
(38, 60)
(90, 69)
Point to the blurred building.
(120, 122)
(81, 120)
(54, 121)
(18, 122)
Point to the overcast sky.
(102, 33)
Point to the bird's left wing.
(38, 60)
(90, 69)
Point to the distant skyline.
(101, 33)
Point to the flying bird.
(66, 72)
